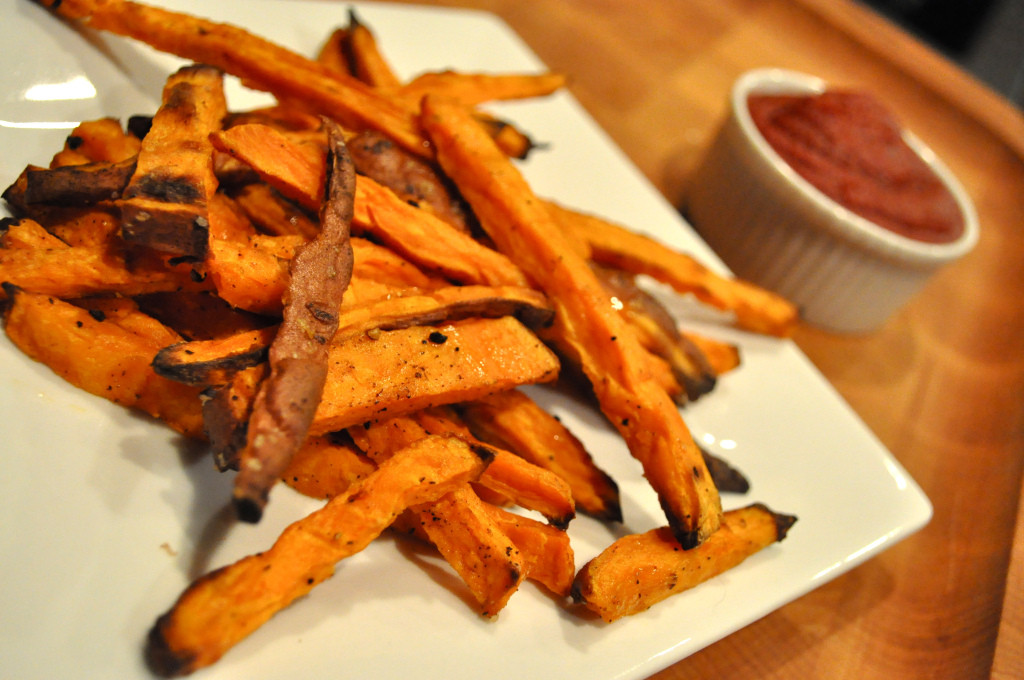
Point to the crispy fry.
(108, 358)
(412, 178)
(296, 170)
(657, 331)
(27, 233)
(223, 607)
(325, 467)
(214, 361)
(428, 241)
(68, 272)
(100, 140)
(472, 89)
(274, 214)
(513, 421)
(318, 276)
(472, 542)
(258, 62)
(545, 550)
(79, 184)
(164, 204)
(353, 50)
(637, 571)
(756, 309)
(637, 405)
(226, 411)
(411, 369)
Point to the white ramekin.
(773, 228)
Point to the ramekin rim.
(845, 222)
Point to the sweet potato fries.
(345, 291)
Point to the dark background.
(986, 37)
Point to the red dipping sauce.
(848, 146)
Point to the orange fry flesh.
(225, 606)
(522, 227)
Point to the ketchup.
(851, 148)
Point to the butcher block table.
(942, 384)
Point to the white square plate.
(107, 515)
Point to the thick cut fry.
(210, 362)
(27, 233)
(522, 227)
(246, 276)
(545, 550)
(513, 421)
(226, 411)
(100, 140)
(318, 276)
(272, 213)
(640, 570)
(216, 361)
(325, 467)
(353, 49)
(296, 170)
(411, 177)
(472, 542)
(164, 205)
(258, 62)
(428, 241)
(103, 357)
(68, 272)
(415, 368)
(223, 607)
(80, 184)
(756, 309)
(657, 331)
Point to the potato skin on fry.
(287, 401)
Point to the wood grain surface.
(942, 384)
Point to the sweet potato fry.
(99, 140)
(213, 361)
(640, 570)
(756, 309)
(164, 204)
(223, 607)
(472, 89)
(326, 466)
(103, 357)
(411, 369)
(633, 402)
(27, 233)
(657, 331)
(545, 550)
(296, 170)
(272, 213)
(246, 276)
(411, 177)
(512, 421)
(512, 478)
(226, 411)
(68, 272)
(80, 184)
(722, 356)
(318, 276)
(474, 545)
(353, 50)
(258, 62)
(428, 241)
